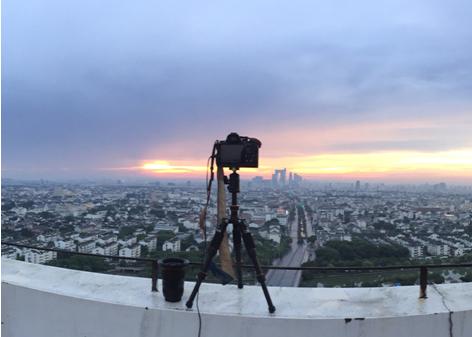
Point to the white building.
(131, 251)
(10, 252)
(416, 251)
(65, 244)
(172, 245)
(98, 250)
(459, 251)
(271, 233)
(86, 246)
(39, 256)
(190, 224)
(111, 249)
(106, 239)
(87, 237)
(151, 243)
(46, 238)
(438, 250)
(128, 241)
(108, 249)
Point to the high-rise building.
(297, 179)
(358, 185)
(279, 177)
(258, 180)
(283, 176)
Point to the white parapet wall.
(42, 301)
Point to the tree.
(78, 262)
(144, 251)
(162, 237)
(8, 205)
(187, 242)
(327, 255)
(46, 215)
(357, 251)
(126, 231)
(27, 204)
(160, 213)
(27, 233)
(69, 218)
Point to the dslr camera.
(237, 151)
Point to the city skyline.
(381, 93)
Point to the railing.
(423, 268)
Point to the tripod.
(240, 231)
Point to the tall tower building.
(283, 176)
(358, 185)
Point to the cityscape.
(236, 168)
(295, 222)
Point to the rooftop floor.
(299, 304)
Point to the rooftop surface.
(299, 304)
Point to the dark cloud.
(88, 83)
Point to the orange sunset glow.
(414, 164)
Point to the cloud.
(97, 84)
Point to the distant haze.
(378, 90)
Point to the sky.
(372, 90)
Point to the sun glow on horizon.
(456, 163)
(164, 166)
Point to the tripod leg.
(251, 251)
(237, 252)
(210, 254)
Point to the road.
(294, 258)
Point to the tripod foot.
(271, 309)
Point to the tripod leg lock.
(260, 278)
(201, 276)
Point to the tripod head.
(233, 181)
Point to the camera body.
(237, 151)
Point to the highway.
(294, 258)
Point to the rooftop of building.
(299, 310)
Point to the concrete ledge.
(45, 301)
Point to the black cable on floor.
(199, 319)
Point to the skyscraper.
(358, 185)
